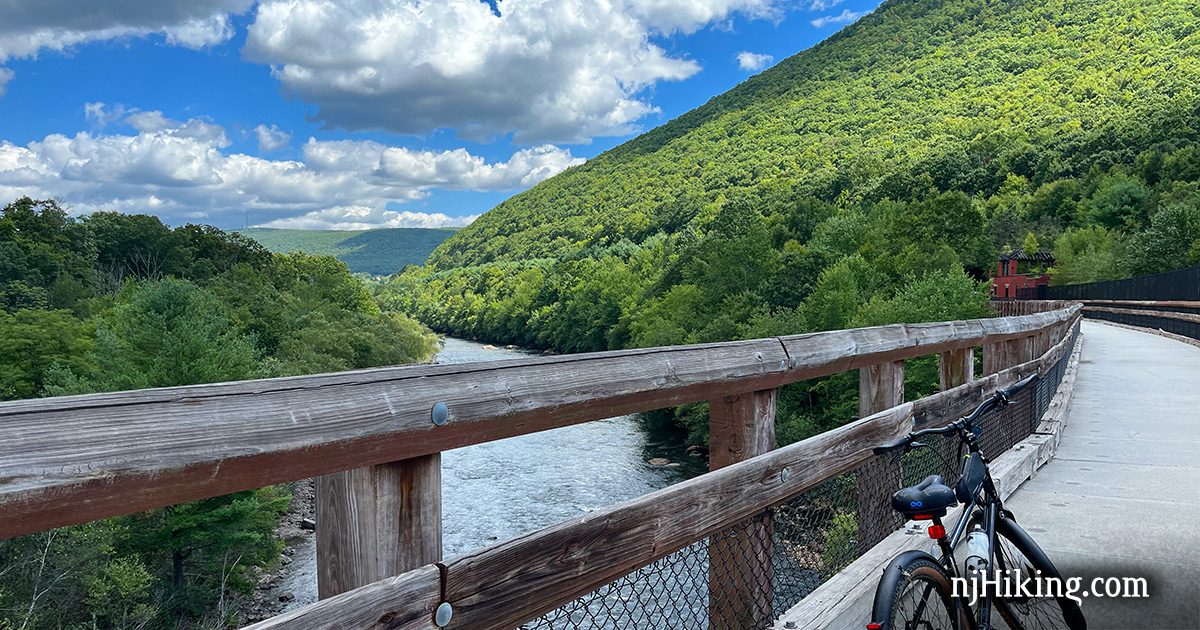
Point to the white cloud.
(556, 70)
(271, 138)
(365, 218)
(178, 170)
(200, 32)
(821, 5)
(753, 61)
(846, 16)
(154, 122)
(28, 28)
(6, 75)
(101, 114)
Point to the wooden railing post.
(995, 357)
(1019, 351)
(879, 387)
(378, 521)
(740, 573)
(956, 367)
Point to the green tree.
(1030, 247)
(1119, 203)
(1172, 241)
(160, 334)
(32, 342)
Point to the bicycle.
(915, 590)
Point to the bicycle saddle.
(931, 496)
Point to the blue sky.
(350, 114)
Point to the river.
(499, 490)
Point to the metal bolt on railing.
(440, 413)
(442, 616)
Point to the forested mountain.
(377, 252)
(114, 302)
(869, 180)
(922, 97)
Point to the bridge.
(771, 537)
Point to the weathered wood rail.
(1179, 320)
(375, 437)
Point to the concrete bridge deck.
(1122, 496)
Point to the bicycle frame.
(993, 508)
(984, 497)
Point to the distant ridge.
(380, 252)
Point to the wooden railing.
(1175, 319)
(374, 438)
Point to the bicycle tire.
(919, 597)
(1015, 549)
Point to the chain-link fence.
(745, 575)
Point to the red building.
(1021, 271)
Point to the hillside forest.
(871, 179)
(115, 302)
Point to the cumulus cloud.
(100, 113)
(846, 16)
(271, 138)
(753, 61)
(29, 28)
(547, 70)
(821, 5)
(364, 218)
(6, 75)
(177, 169)
(200, 32)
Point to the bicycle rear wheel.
(918, 600)
(1016, 551)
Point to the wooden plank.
(404, 602)
(956, 367)
(740, 427)
(943, 408)
(1152, 331)
(82, 458)
(1142, 303)
(376, 522)
(995, 357)
(508, 584)
(1186, 317)
(740, 591)
(1019, 350)
(880, 387)
(821, 354)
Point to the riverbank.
(272, 595)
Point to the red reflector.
(873, 626)
(923, 517)
(936, 531)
